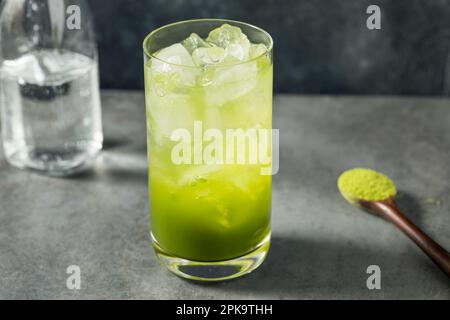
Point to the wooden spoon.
(387, 209)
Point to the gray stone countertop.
(321, 245)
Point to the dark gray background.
(321, 46)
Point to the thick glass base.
(57, 163)
(216, 270)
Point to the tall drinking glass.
(209, 120)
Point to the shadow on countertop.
(117, 167)
(312, 268)
(411, 207)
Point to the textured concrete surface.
(321, 245)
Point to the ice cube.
(235, 73)
(175, 54)
(206, 56)
(257, 50)
(238, 51)
(173, 112)
(173, 66)
(193, 42)
(232, 39)
(231, 82)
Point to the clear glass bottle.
(49, 87)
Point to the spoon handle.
(436, 253)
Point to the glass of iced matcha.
(208, 86)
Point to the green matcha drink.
(203, 78)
